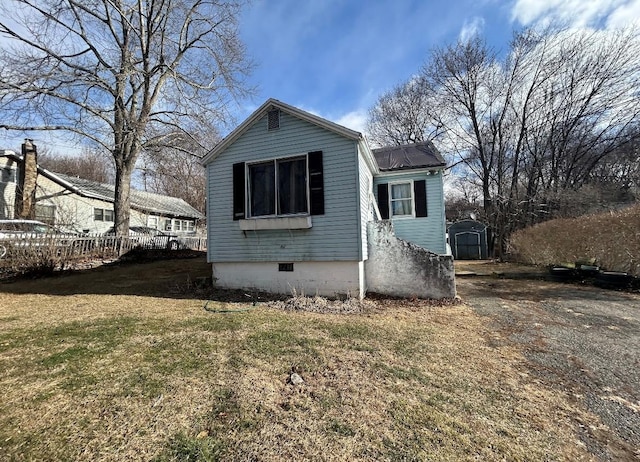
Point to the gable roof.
(140, 200)
(409, 156)
(269, 105)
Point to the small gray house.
(298, 203)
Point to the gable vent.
(274, 119)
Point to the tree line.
(540, 132)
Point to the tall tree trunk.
(122, 204)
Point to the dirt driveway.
(581, 340)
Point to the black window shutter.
(420, 195)
(316, 183)
(238, 191)
(383, 200)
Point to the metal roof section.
(294, 111)
(140, 200)
(409, 156)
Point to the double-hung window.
(278, 187)
(102, 214)
(401, 199)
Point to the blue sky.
(336, 57)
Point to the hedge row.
(611, 240)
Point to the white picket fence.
(87, 246)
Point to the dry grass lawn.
(122, 364)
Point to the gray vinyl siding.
(333, 236)
(428, 232)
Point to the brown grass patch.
(90, 376)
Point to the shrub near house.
(611, 238)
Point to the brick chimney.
(25, 203)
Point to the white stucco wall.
(400, 268)
(328, 279)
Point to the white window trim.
(391, 200)
(247, 186)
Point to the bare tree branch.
(116, 72)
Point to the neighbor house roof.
(271, 104)
(140, 200)
(408, 156)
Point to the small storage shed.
(468, 240)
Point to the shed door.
(468, 246)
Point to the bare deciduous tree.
(91, 164)
(534, 129)
(404, 115)
(123, 74)
(177, 171)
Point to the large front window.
(401, 199)
(278, 187)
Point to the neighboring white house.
(291, 206)
(78, 204)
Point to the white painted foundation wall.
(328, 279)
(402, 269)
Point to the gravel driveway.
(582, 341)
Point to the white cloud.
(625, 14)
(471, 29)
(355, 120)
(579, 13)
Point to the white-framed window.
(102, 214)
(152, 222)
(278, 187)
(401, 199)
(174, 224)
